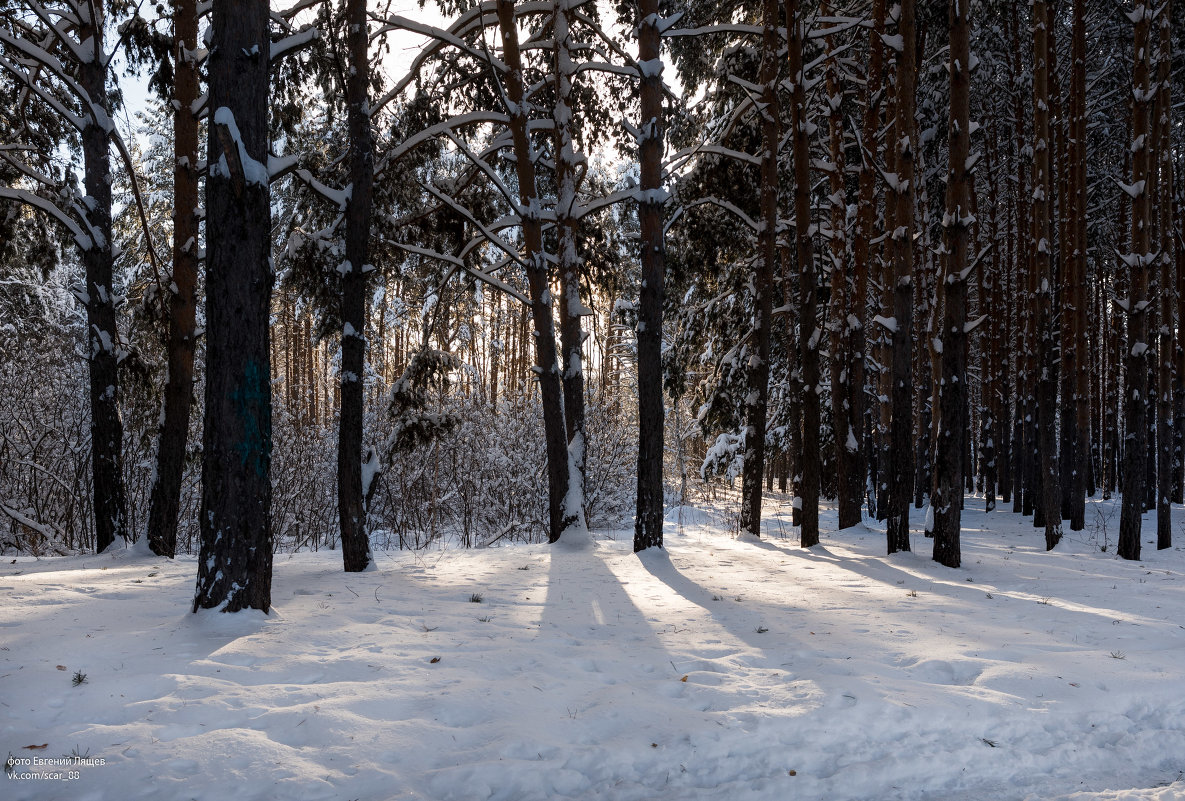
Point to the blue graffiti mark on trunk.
(252, 404)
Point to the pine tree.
(956, 225)
(235, 562)
(648, 520)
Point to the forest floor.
(721, 669)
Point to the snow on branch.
(75, 121)
(290, 44)
(480, 275)
(479, 17)
(77, 49)
(289, 13)
(729, 207)
(279, 166)
(970, 327)
(25, 169)
(81, 238)
(838, 26)
(680, 158)
(440, 129)
(480, 163)
(490, 235)
(606, 67)
(235, 163)
(45, 531)
(750, 30)
(582, 210)
(396, 22)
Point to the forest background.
(576, 261)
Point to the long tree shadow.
(657, 562)
(957, 582)
(586, 599)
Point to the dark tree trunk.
(791, 281)
(757, 365)
(1025, 407)
(98, 259)
(991, 393)
(174, 428)
(844, 421)
(1135, 448)
(648, 520)
(809, 334)
(1077, 360)
(953, 335)
(571, 309)
(550, 387)
(1178, 217)
(235, 563)
(1050, 495)
(351, 493)
(862, 251)
(900, 461)
(1161, 165)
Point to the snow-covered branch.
(81, 238)
(289, 44)
(480, 275)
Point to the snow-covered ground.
(719, 670)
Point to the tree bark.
(757, 365)
(165, 504)
(1161, 165)
(862, 245)
(844, 420)
(1050, 497)
(957, 233)
(1136, 363)
(809, 333)
(900, 461)
(571, 309)
(351, 489)
(548, 372)
(235, 563)
(651, 210)
(103, 348)
(1077, 360)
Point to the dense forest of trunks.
(534, 270)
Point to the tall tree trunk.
(571, 309)
(352, 489)
(1136, 304)
(791, 282)
(235, 563)
(901, 457)
(953, 333)
(1161, 165)
(1050, 498)
(757, 365)
(1076, 360)
(1178, 217)
(809, 333)
(648, 519)
(165, 504)
(98, 259)
(550, 387)
(862, 251)
(993, 353)
(844, 422)
(1024, 429)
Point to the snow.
(254, 172)
(714, 669)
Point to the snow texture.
(716, 669)
(254, 172)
